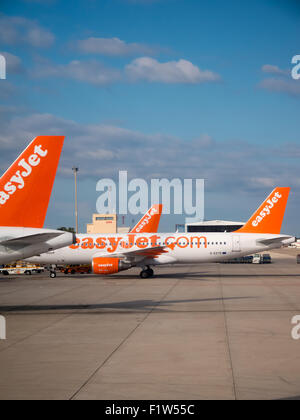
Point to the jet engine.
(109, 265)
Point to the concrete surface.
(213, 331)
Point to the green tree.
(65, 229)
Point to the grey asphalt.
(210, 331)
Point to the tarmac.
(210, 331)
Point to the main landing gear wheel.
(52, 274)
(145, 274)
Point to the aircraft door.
(236, 243)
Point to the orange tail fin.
(268, 218)
(26, 186)
(150, 222)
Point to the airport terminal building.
(106, 223)
(213, 226)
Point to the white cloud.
(85, 71)
(205, 141)
(15, 30)
(145, 68)
(281, 82)
(269, 68)
(289, 86)
(112, 47)
(265, 182)
(182, 71)
(97, 154)
(101, 150)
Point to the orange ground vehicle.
(77, 269)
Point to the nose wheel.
(148, 272)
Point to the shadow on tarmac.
(130, 305)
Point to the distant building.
(123, 229)
(105, 223)
(213, 226)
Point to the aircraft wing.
(24, 241)
(150, 252)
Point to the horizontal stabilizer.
(271, 241)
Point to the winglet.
(150, 222)
(268, 218)
(25, 188)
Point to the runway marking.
(227, 336)
(124, 341)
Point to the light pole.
(75, 170)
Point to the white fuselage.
(27, 248)
(180, 247)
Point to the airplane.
(25, 190)
(112, 253)
(147, 224)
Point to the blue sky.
(161, 88)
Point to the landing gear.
(52, 269)
(146, 273)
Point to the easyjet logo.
(18, 180)
(111, 244)
(267, 210)
(146, 219)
